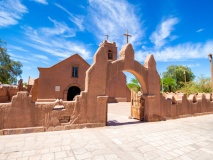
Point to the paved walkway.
(119, 113)
(186, 138)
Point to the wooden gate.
(137, 105)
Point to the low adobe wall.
(7, 92)
(22, 115)
(178, 105)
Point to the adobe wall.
(7, 92)
(4, 95)
(178, 105)
(61, 75)
(24, 116)
(19, 114)
(34, 90)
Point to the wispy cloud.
(114, 17)
(41, 57)
(27, 68)
(179, 52)
(193, 65)
(77, 19)
(54, 41)
(11, 12)
(200, 30)
(27, 58)
(22, 59)
(163, 31)
(59, 29)
(12, 47)
(42, 1)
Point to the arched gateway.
(93, 100)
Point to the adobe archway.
(103, 70)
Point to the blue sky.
(41, 33)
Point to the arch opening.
(125, 110)
(72, 92)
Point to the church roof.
(67, 59)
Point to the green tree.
(9, 69)
(168, 84)
(176, 72)
(134, 85)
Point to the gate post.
(102, 109)
(150, 106)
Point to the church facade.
(66, 79)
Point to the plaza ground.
(123, 138)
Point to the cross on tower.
(127, 35)
(107, 36)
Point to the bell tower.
(110, 50)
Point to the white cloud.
(114, 18)
(11, 12)
(12, 47)
(27, 68)
(193, 65)
(42, 1)
(60, 29)
(27, 58)
(41, 57)
(179, 52)
(77, 20)
(22, 59)
(200, 30)
(163, 31)
(55, 45)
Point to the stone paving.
(128, 139)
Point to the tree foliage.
(134, 85)
(168, 84)
(176, 72)
(201, 85)
(9, 69)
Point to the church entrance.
(72, 92)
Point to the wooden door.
(137, 106)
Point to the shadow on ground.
(116, 123)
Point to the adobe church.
(66, 79)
